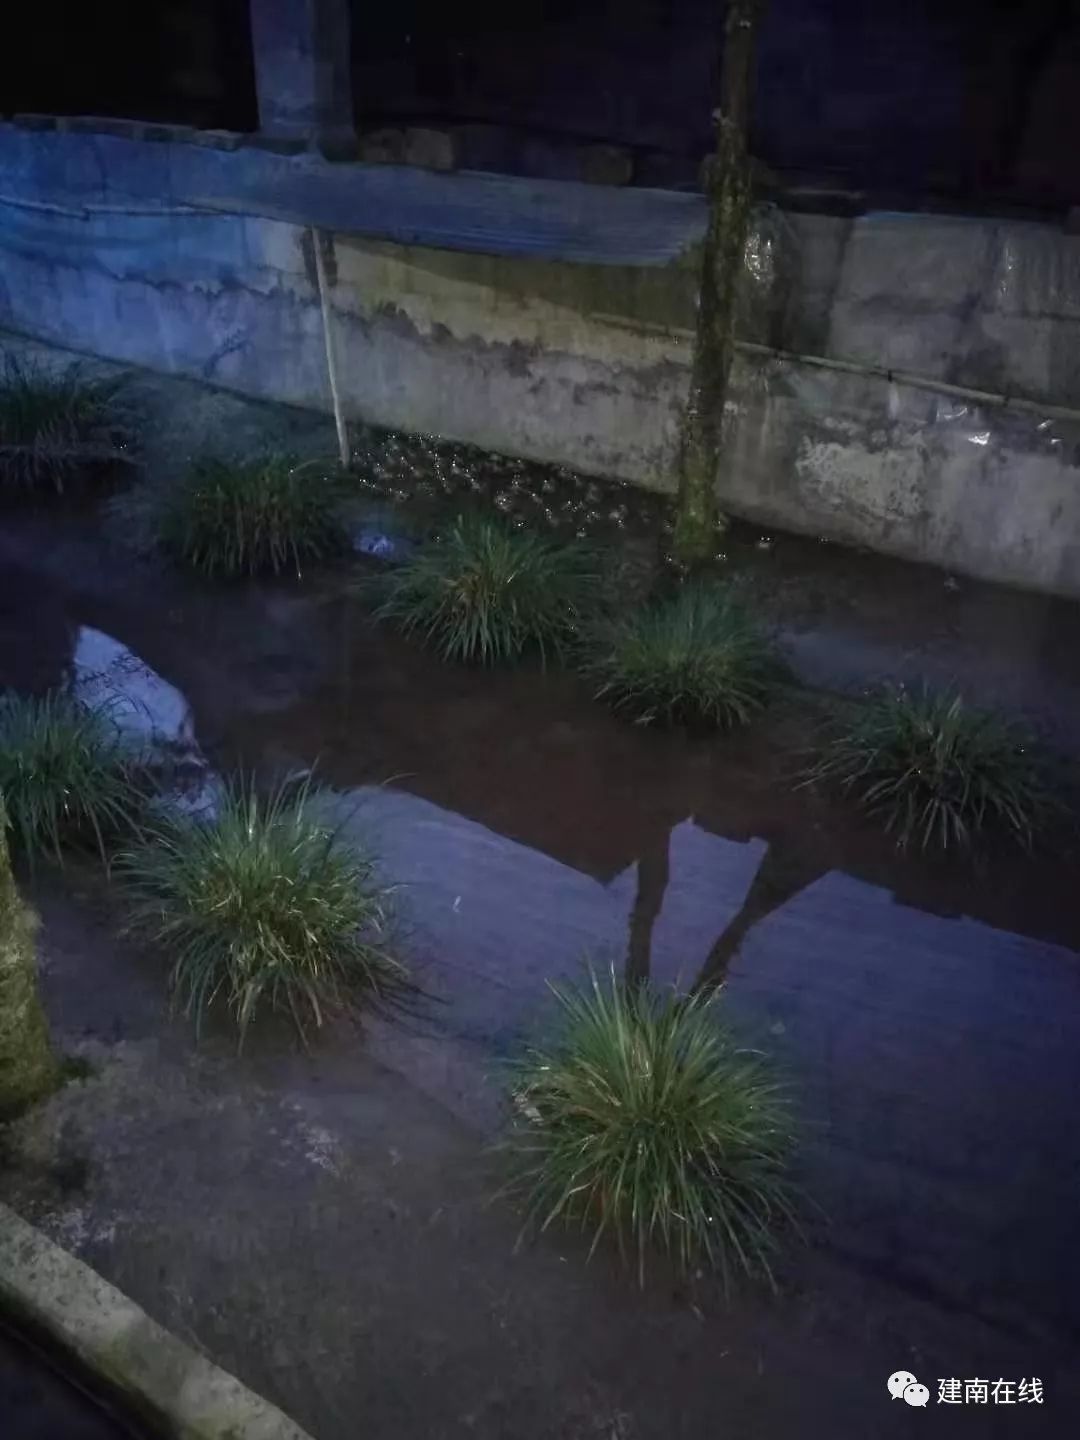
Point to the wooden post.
(727, 188)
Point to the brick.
(103, 125)
(340, 146)
(35, 122)
(216, 139)
(383, 147)
(278, 144)
(430, 149)
(606, 165)
(168, 134)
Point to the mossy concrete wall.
(572, 363)
(28, 1068)
(587, 364)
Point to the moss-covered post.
(28, 1067)
(727, 189)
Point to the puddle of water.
(845, 616)
(934, 1056)
(491, 922)
(928, 1014)
(934, 1061)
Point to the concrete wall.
(587, 365)
(909, 473)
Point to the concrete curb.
(154, 1375)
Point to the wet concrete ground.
(332, 1235)
(318, 1223)
(926, 1016)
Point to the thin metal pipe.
(919, 382)
(1042, 408)
(328, 339)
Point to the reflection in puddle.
(493, 921)
(935, 1058)
(106, 675)
(152, 715)
(937, 1064)
(708, 881)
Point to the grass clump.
(937, 771)
(265, 907)
(66, 775)
(484, 594)
(260, 516)
(643, 1119)
(698, 657)
(54, 424)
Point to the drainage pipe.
(328, 340)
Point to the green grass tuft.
(641, 1118)
(54, 424)
(265, 907)
(66, 775)
(484, 594)
(937, 771)
(698, 657)
(262, 516)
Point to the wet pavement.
(333, 1237)
(926, 1013)
(934, 1059)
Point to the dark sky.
(973, 98)
(969, 95)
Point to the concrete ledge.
(34, 122)
(169, 134)
(276, 144)
(216, 139)
(115, 125)
(155, 1376)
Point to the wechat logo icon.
(903, 1386)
